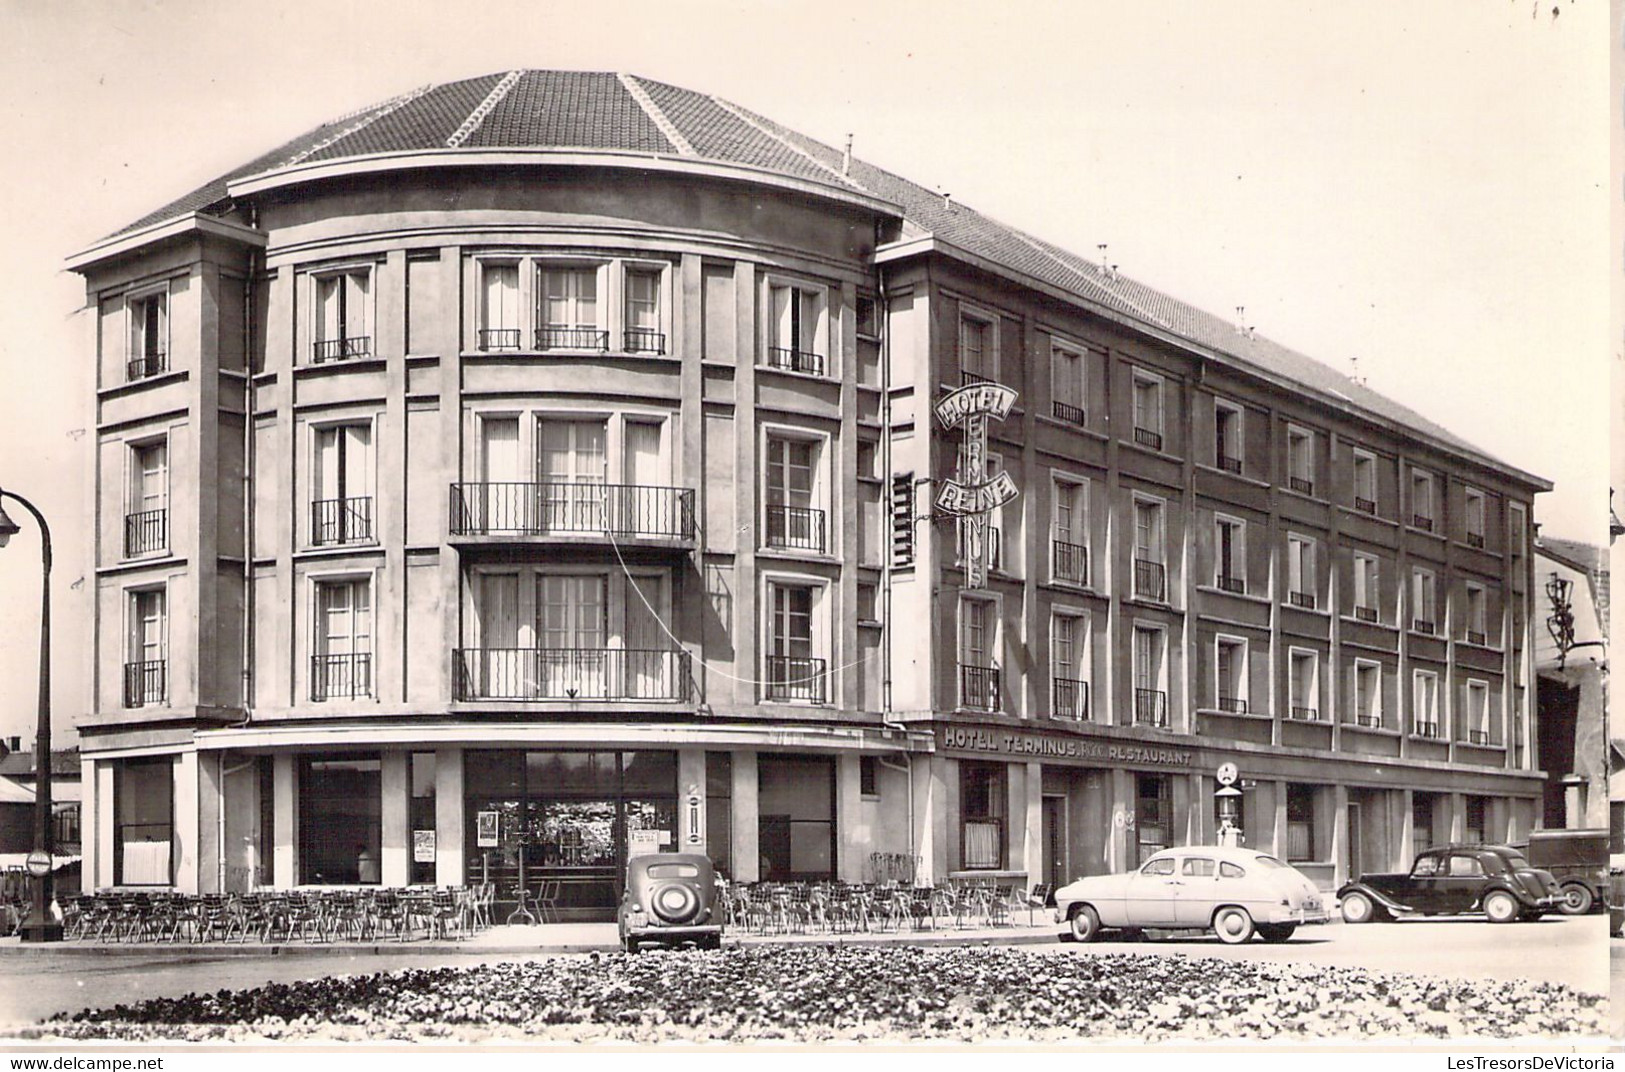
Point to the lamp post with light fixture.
(40, 926)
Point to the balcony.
(797, 528)
(1150, 580)
(644, 341)
(979, 687)
(499, 338)
(1235, 585)
(575, 674)
(1069, 699)
(792, 678)
(1365, 506)
(344, 349)
(1475, 539)
(967, 377)
(144, 683)
(1231, 705)
(792, 360)
(1478, 736)
(1303, 714)
(1474, 636)
(1306, 600)
(334, 521)
(1423, 625)
(1145, 437)
(1369, 722)
(1420, 521)
(1229, 464)
(146, 533)
(334, 677)
(146, 365)
(1065, 411)
(1425, 729)
(1302, 485)
(1070, 562)
(1365, 614)
(611, 511)
(1150, 707)
(571, 339)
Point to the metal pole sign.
(973, 496)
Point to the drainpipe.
(255, 267)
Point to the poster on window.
(423, 846)
(643, 842)
(485, 829)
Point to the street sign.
(39, 863)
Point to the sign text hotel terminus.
(973, 496)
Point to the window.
(1422, 825)
(1070, 541)
(1069, 660)
(867, 315)
(793, 521)
(1425, 704)
(994, 531)
(1473, 820)
(1153, 812)
(144, 821)
(148, 353)
(1367, 591)
(1300, 823)
(343, 316)
(340, 821)
(1478, 712)
(1150, 573)
(1365, 482)
(1476, 600)
(902, 520)
(868, 776)
(572, 467)
(643, 334)
(867, 607)
(1475, 517)
(341, 485)
(567, 308)
(341, 648)
(1303, 672)
(1517, 518)
(572, 632)
(1367, 694)
(1422, 500)
(1150, 698)
(1230, 672)
(1423, 606)
(1300, 565)
(1300, 459)
(978, 670)
(1227, 436)
(1068, 384)
(793, 671)
(421, 814)
(978, 350)
(982, 808)
(499, 306)
(146, 648)
(1164, 866)
(1147, 410)
(1230, 554)
(146, 515)
(797, 340)
(719, 781)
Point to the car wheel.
(1358, 908)
(1500, 906)
(1233, 925)
(1276, 932)
(1577, 899)
(1085, 923)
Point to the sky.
(1418, 190)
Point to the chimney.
(1241, 320)
(846, 157)
(1105, 269)
(947, 201)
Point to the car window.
(1466, 867)
(1268, 863)
(1427, 865)
(673, 871)
(1515, 861)
(1164, 866)
(1199, 866)
(1230, 870)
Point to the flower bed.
(819, 993)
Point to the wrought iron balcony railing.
(1303, 714)
(146, 533)
(579, 674)
(1145, 437)
(611, 510)
(1476, 637)
(146, 365)
(1232, 584)
(1150, 707)
(1369, 722)
(342, 349)
(1071, 562)
(967, 377)
(571, 339)
(644, 341)
(1070, 699)
(341, 520)
(979, 687)
(1421, 521)
(1475, 539)
(1302, 485)
(797, 527)
(792, 360)
(1229, 464)
(796, 677)
(1365, 614)
(144, 683)
(1150, 580)
(499, 338)
(1425, 729)
(1423, 625)
(1066, 411)
(1365, 506)
(1305, 600)
(1232, 705)
(335, 677)
(1478, 736)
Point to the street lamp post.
(40, 925)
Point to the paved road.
(1572, 951)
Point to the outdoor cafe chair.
(445, 915)
(1038, 898)
(546, 900)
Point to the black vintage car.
(1453, 879)
(671, 898)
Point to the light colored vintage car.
(1231, 891)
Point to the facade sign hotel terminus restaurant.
(970, 406)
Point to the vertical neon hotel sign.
(976, 496)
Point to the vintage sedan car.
(670, 898)
(1234, 892)
(1453, 879)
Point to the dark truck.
(1451, 879)
(1578, 859)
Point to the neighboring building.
(589, 468)
(19, 768)
(1571, 671)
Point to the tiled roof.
(598, 110)
(63, 762)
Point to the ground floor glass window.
(340, 820)
(144, 822)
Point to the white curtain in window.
(500, 297)
(505, 671)
(648, 668)
(981, 844)
(149, 478)
(571, 461)
(358, 305)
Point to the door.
(773, 846)
(1460, 885)
(1356, 838)
(571, 466)
(1194, 897)
(1149, 895)
(1056, 869)
(650, 667)
(643, 506)
(572, 631)
(505, 506)
(501, 667)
